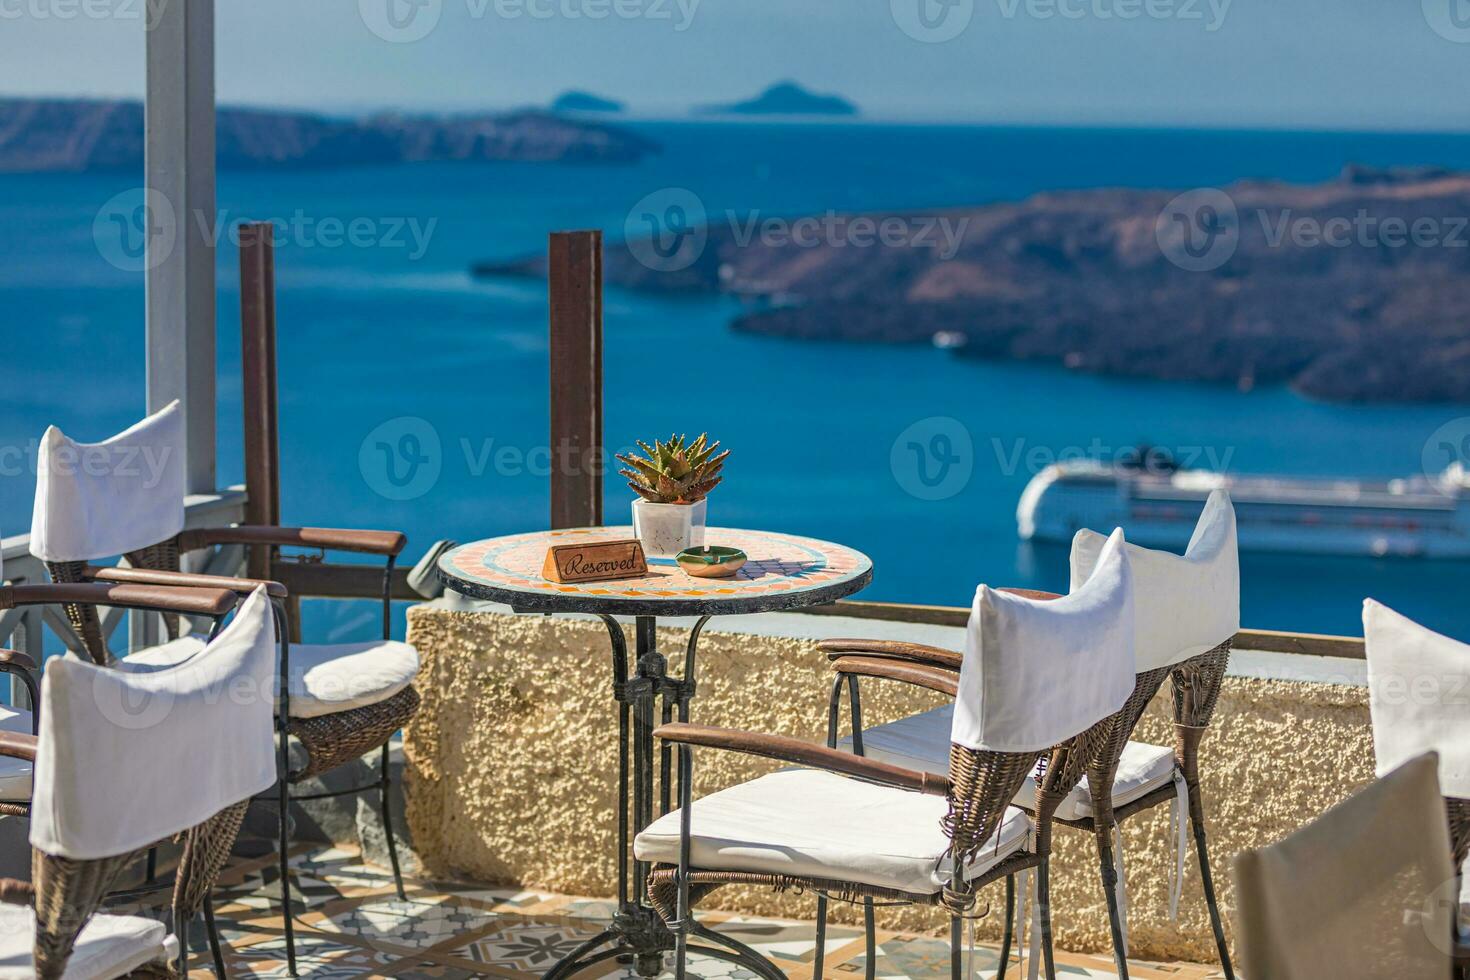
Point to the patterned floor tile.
(317, 957)
(526, 947)
(353, 926)
(416, 924)
(784, 941)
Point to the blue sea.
(389, 329)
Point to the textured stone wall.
(512, 765)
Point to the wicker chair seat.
(337, 739)
(812, 824)
(325, 678)
(109, 945)
(921, 742)
(15, 775)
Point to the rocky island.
(1356, 289)
(787, 99)
(576, 100)
(79, 135)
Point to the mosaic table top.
(783, 572)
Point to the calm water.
(373, 333)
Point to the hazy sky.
(1293, 63)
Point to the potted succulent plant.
(672, 483)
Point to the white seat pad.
(15, 774)
(325, 678)
(922, 742)
(811, 823)
(109, 946)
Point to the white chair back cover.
(96, 500)
(1183, 605)
(127, 759)
(1364, 892)
(1037, 672)
(1418, 695)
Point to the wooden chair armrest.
(917, 653)
(15, 660)
(932, 678)
(17, 745)
(1031, 594)
(16, 892)
(157, 598)
(388, 543)
(153, 576)
(794, 750)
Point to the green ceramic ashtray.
(710, 562)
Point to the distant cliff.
(788, 99)
(1357, 289)
(73, 135)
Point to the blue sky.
(1357, 64)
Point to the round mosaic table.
(782, 572)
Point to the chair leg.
(820, 953)
(1043, 905)
(181, 930)
(1108, 871)
(214, 944)
(956, 948)
(1005, 942)
(283, 841)
(1202, 851)
(871, 934)
(1187, 750)
(681, 954)
(387, 812)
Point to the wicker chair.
(338, 701)
(15, 773)
(1187, 614)
(187, 764)
(1417, 692)
(1050, 688)
(1358, 894)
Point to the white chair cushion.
(1183, 605)
(1035, 672)
(1142, 769)
(921, 742)
(94, 500)
(15, 774)
(126, 759)
(811, 823)
(325, 678)
(109, 945)
(1418, 695)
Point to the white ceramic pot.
(667, 529)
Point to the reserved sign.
(595, 561)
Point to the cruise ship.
(1418, 517)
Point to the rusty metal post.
(261, 404)
(574, 277)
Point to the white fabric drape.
(1418, 695)
(1037, 672)
(127, 759)
(95, 500)
(1184, 605)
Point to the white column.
(179, 120)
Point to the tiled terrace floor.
(355, 927)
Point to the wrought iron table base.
(638, 936)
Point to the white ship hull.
(1414, 517)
